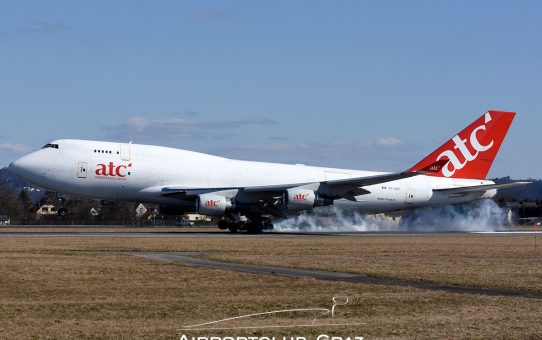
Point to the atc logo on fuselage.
(112, 171)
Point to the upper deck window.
(54, 146)
(102, 151)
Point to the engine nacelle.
(213, 205)
(297, 199)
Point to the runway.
(227, 234)
(117, 234)
(194, 259)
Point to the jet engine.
(297, 199)
(213, 205)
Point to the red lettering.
(101, 170)
(111, 169)
(211, 203)
(118, 173)
(300, 197)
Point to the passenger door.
(82, 170)
(125, 151)
(410, 196)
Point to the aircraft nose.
(14, 167)
(21, 167)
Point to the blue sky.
(372, 85)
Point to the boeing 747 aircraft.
(249, 195)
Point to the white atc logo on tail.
(462, 147)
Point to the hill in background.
(530, 192)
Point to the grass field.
(66, 287)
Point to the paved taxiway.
(193, 259)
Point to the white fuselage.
(133, 172)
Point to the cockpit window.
(54, 146)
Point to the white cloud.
(273, 147)
(356, 154)
(389, 142)
(143, 128)
(142, 123)
(15, 148)
(39, 27)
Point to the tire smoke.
(483, 215)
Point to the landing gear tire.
(222, 224)
(62, 212)
(254, 225)
(254, 228)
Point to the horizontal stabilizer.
(480, 188)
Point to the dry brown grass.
(480, 260)
(509, 262)
(92, 288)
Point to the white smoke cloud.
(484, 215)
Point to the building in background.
(46, 210)
(198, 218)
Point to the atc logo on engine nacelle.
(211, 203)
(300, 197)
(463, 146)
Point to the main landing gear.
(253, 224)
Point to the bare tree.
(8, 199)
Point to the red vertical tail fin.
(472, 151)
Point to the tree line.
(17, 204)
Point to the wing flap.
(388, 177)
(369, 180)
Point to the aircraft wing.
(266, 198)
(349, 187)
(339, 188)
(339, 185)
(480, 188)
